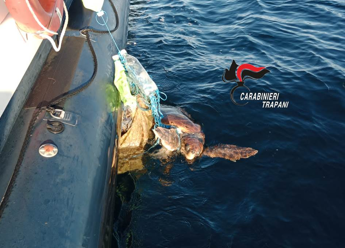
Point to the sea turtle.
(183, 136)
(189, 138)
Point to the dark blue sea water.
(292, 193)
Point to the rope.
(141, 154)
(50, 39)
(50, 109)
(97, 31)
(178, 131)
(84, 86)
(101, 14)
(37, 20)
(85, 31)
(156, 109)
(153, 101)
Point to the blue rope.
(155, 108)
(101, 14)
(156, 143)
(140, 154)
(165, 96)
(153, 101)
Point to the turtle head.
(191, 147)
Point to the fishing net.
(134, 140)
(141, 111)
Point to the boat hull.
(67, 200)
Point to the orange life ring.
(37, 16)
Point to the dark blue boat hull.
(67, 200)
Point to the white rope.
(38, 21)
(62, 32)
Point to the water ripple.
(291, 193)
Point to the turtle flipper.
(169, 138)
(230, 152)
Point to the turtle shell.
(174, 116)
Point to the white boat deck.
(16, 52)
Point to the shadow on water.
(127, 201)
